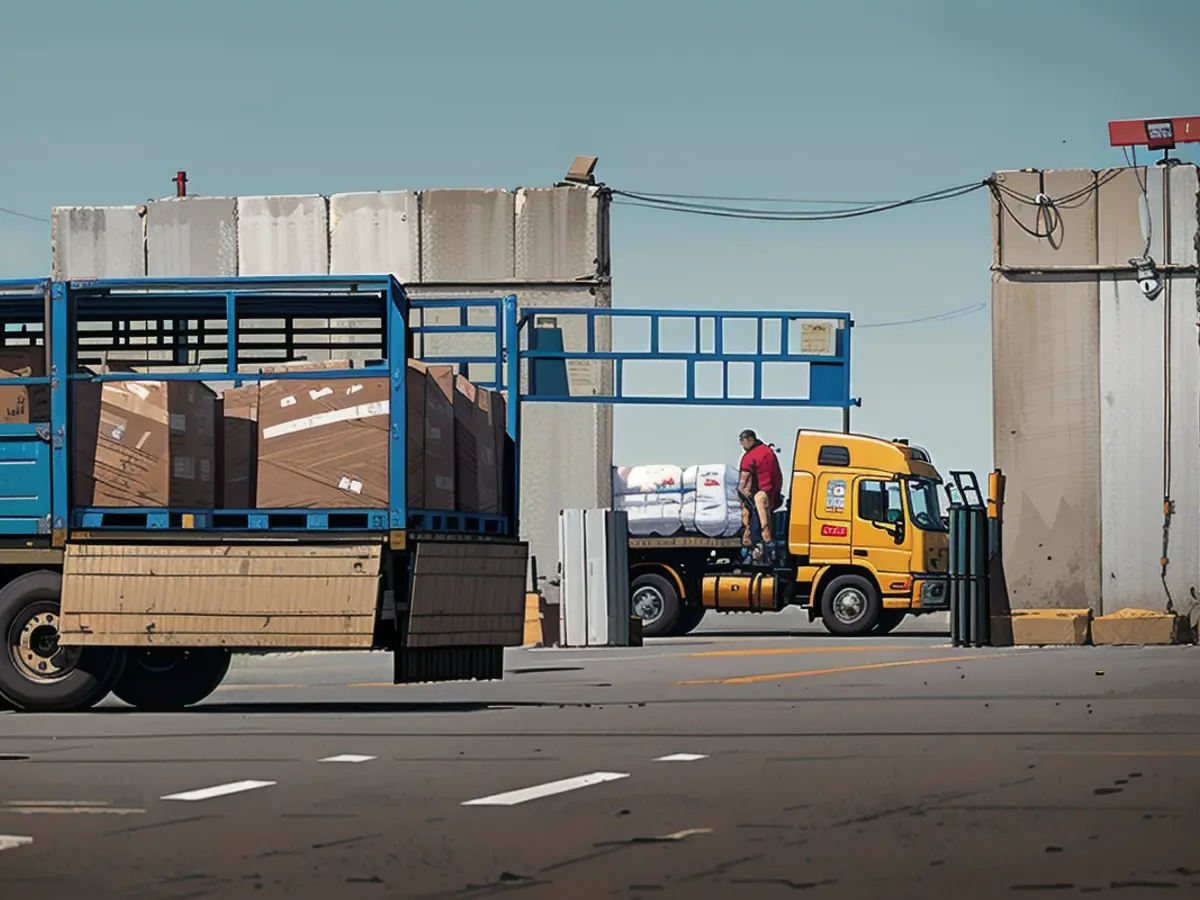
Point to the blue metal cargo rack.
(211, 323)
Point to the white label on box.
(178, 422)
(184, 467)
(323, 392)
(137, 389)
(352, 485)
(119, 432)
(205, 470)
(435, 433)
(354, 389)
(443, 483)
(142, 440)
(287, 401)
(349, 414)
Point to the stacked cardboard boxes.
(323, 443)
(144, 444)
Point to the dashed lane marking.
(512, 798)
(347, 758)
(13, 841)
(682, 757)
(65, 808)
(807, 673)
(220, 790)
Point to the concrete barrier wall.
(1097, 389)
(549, 246)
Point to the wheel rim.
(648, 604)
(849, 605)
(34, 649)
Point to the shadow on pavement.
(381, 707)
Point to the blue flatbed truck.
(149, 604)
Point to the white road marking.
(347, 758)
(220, 790)
(682, 757)
(71, 810)
(680, 835)
(512, 798)
(13, 841)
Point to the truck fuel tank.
(747, 593)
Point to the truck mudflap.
(466, 603)
(244, 596)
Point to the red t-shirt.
(761, 463)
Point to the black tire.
(689, 618)
(37, 675)
(850, 605)
(655, 599)
(169, 678)
(890, 620)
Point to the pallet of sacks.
(665, 500)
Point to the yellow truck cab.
(861, 542)
(865, 532)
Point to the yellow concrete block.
(1140, 627)
(1050, 627)
(533, 620)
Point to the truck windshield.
(923, 504)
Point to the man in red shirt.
(760, 483)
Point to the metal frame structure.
(829, 374)
(183, 309)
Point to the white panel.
(192, 237)
(573, 577)
(558, 233)
(98, 242)
(1183, 572)
(599, 625)
(375, 233)
(466, 236)
(1131, 445)
(1184, 189)
(283, 235)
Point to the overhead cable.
(22, 215)
(654, 201)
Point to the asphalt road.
(775, 765)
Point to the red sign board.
(834, 531)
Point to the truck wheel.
(850, 605)
(164, 679)
(889, 620)
(689, 618)
(656, 602)
(36, 674)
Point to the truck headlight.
(932, 592)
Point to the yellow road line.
(778, 676)
(374, 684)
(780, 651)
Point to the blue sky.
(859, 100)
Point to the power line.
(936, 317)
(21, 215)
(733, 212)
(798, 201)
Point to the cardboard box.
(323, 444)
(504, 452)
(488, 458)
(1141, 627)
(466, 445)
(415, 390)
(144, 444)
(440, 487)
(238, 442)
(23, 404)
(1043, 627)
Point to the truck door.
(881, 533)
(831, 519)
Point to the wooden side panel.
(239, 595)
(468, 594)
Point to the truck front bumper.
(931, 592)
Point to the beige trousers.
(762, 503)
